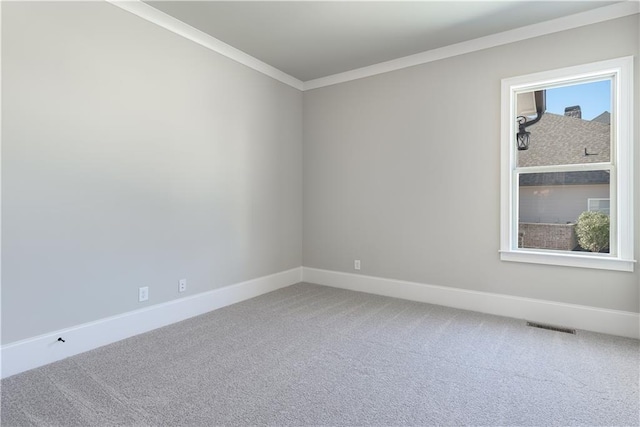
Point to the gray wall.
(402, 171)
(131, 157)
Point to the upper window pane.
(575, 127)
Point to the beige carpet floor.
(314, 355)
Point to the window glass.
(574, 128)
(551, 203)
(568, 125)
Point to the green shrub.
(592, 230)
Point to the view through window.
(567, 165)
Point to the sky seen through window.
(594, 98)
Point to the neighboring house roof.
(603, 118)
(560, 140)
(564, 178)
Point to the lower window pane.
(565, 211)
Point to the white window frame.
(620, 258)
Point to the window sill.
(601, 262)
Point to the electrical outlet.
(356, 264)
(143, 294)
(182, 285)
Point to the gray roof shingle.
(564, 178)
(561, 140)
(603, 118)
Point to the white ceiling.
(314, 39)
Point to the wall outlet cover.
(143, 293)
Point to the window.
(566, 149)
(599, 205)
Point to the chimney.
(573, 111)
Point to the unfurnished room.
(335, 213)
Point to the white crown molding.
(594, 319)
(176, 26)
(606, 13)
(151, 14)
(33, 352)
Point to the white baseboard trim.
(613, 322)
(30, 353)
